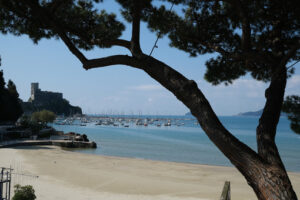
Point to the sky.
(122, 89)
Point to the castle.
(52, 101)
(37, 95)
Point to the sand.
(75, 176)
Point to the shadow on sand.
(32, 147)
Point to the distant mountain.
(253, 113)
(256, 113)
(188, 114)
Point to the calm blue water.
(186, 143)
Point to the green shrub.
(24, 193)
(43, 116)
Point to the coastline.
(71, 175)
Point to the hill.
(256, 113)
(59, 107)
(189, 114)
(251, 113)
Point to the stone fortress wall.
(37, 95)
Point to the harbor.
(126, 120)
(186, 143)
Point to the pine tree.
(10, 107)
(258, 37)
(2, 81)
(12, 89)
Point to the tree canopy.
(248, 36)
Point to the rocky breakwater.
(75, 140)
(74, 144)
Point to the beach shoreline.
(72, 175)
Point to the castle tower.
(34, 89)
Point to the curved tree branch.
(110, 60)
(188, 93)
(71, 46)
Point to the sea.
(183, 141)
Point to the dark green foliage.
(127, 8)
(86, 24)
(217, 72)
(249, 37)
(24, 193)
(58, 106)
(291, 106)
(12, 89)
(10, 107)
(27, 122)
(2, 81)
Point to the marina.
(125, 121)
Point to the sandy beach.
(75, 176)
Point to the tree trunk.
(268, 180)
(278, 185)
(272, 183)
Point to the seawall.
(60, 143)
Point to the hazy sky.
(122, 89)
